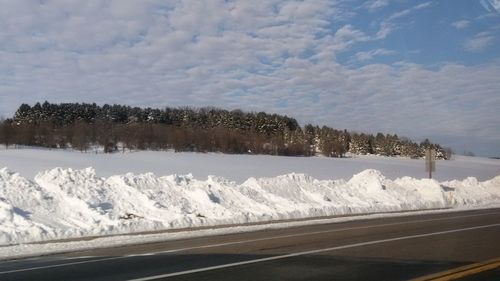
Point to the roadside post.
(430, 161)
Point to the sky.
(420, 69)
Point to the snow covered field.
(29, 162)
(41, 202)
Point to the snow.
(75, 201)
(29, 162)
(67, 203)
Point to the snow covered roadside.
(39, 249)
(67, 203)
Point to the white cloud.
(389, 25)
(495, 4)
(234, 54)
(479, 42)
(461, 24)
(348, 35)
(408, 11)
(364, 56)
(491, 5)
(385, 29)
(376, 4)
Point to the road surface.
(398, 248)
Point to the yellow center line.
(461, 272)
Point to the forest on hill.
(118, 128)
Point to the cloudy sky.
(421, 69)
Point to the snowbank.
(68, 203)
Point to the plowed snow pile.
(67, 203)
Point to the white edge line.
(309, 253)
(311, 233)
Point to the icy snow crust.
(68, 203)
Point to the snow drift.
(67, 203)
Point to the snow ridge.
(67, 203)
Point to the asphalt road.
(383, 249)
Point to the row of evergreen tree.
(118, 127)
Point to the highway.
(398, 248)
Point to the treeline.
(118, 127)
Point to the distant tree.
(360, 144)
(333, 143)
(426, 144)
(24, 113)
(190, 129)
(81, 137)
(6, 133)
